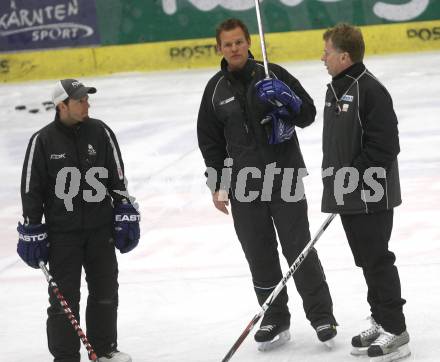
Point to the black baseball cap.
(70, 88)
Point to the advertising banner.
(140, 21)
(42, 24)
(196, 53)
(141, 35)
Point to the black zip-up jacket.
(58, 160)
(360, 131)
(229, 126)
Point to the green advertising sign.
(138, 21)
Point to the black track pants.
(68, 254)
(255, 225)
(368, 236)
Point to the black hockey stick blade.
(242, 337)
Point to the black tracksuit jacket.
(229, 124)
(360, 131)
(82, 147)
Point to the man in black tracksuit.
(361, 182)
(229, 131)
(73, 174)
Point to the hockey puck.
(20, 107)
(34, 110)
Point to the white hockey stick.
(262, 42)
(278, 288)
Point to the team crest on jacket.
(91, 150)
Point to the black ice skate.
(389, 347)
(362, 341)
(270, 336)
(326, 334)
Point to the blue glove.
(277, 93)
(33, 244)
(278, 129)
(127, 231)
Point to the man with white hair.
(361, 139)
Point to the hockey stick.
(262, 42)
(54, 287)
(278, 288)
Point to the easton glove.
(33, 244)
(127, 231)
(277, 93)
(277, 128)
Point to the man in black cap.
(73, 174)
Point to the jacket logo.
(328, 104)
(347, 98)
(226, 101)
(91, 150)
(54, 156)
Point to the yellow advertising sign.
(198, 53)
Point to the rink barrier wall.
(199, 53)
(140, 21)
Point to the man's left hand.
(220, 199)
(127, 231)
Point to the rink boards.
(199, 53)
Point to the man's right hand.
(275, 92)
(220, 199)
(33, 244)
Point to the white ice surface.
(185, 292)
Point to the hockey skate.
(326, 334)
(362, 341)
(389, 347)
(271, 336)
(115, 356)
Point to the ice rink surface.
(185, 292)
